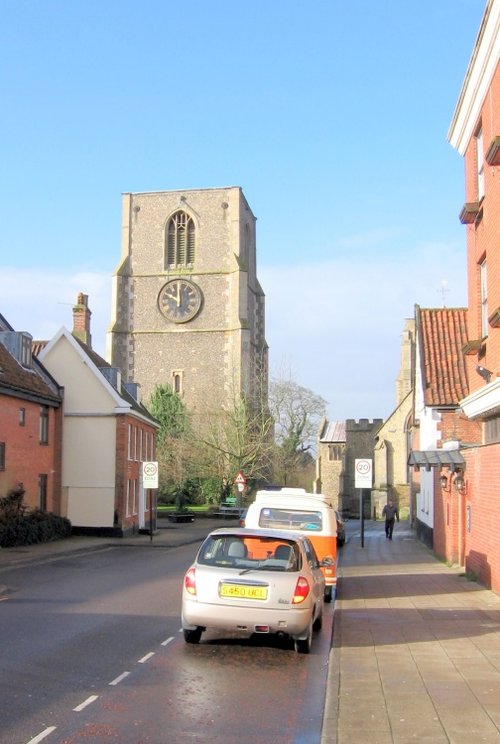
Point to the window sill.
(492, 156)
(494, 319)
(472, 212)
(472, 347)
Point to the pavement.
(416, 647)
(415, 651)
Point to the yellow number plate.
(242, 591)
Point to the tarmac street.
(416, 647)
(415, 653)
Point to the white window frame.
(128, 499)
(480, 164)
(483, 278)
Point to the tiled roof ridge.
(444, 333)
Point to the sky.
(332, 117)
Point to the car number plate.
(242, 591)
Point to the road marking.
(117, 680)
(42, 735)
(86, 702)
(146, 658)
(165, 643)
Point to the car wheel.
(318, 623)
(192, 636)
(303, 645)
(328, 594)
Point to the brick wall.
(481, 514)
(482, 239)
(128, 471)
(454, 425)
(25, 457)
(478, 512)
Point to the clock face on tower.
(179, 300)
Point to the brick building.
(107, 435)
(439, 428)
(30, 423)
(475, 133)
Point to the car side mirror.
(327, 562)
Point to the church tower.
(188, 309)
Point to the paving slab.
(415, 652)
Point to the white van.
(310, 514)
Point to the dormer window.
(25, 350)
(18, 344)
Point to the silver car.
(254, 581)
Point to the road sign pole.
(150, 515)
(240, 482)
(362, 517)
(362, 479)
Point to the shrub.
(18, 526)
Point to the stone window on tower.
(177, 380)
(179, 241)
(335, 451)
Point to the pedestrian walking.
(391, 513)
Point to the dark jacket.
(390, 513)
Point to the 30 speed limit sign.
(363, 473)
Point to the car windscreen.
(291, 519)
(251, 551)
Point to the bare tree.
(238, 438)
(297, 412)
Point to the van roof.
(285, 494)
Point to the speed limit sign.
(150, 474)
(363, 473)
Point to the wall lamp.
(443, 480)
(484, 373)
(457, 477)
(460, 483)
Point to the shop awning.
(436, 459)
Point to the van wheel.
(328, 594)
(192, 636)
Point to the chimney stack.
(81, 320)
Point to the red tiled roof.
(37, 347)
(443, 333)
